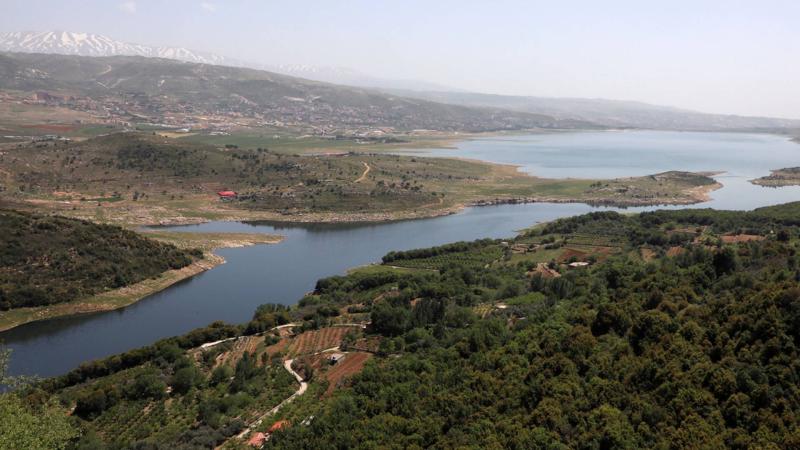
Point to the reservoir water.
(282, 273)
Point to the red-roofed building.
(257, 440)
(279, 425)
(226, 195)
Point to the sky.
(731, 56)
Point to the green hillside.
(160, 85)
(46, 260)
(672, 329)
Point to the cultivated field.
(318, 340)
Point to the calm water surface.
(282, 273)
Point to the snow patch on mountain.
(87, 44)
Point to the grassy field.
(281, 141)
(145, 179)
(35, 120)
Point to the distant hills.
(90, 44)
(153, 89)
(392, 107)
(609, 113)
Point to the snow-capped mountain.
(87, 44)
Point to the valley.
(568, 291)
(424, 225)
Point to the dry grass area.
(211, 241)
(647, 254)
(675, 251)
(736, 238)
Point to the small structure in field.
(257, 440)
(577, 264)
(227, 196)
(335, 358)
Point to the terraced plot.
(318, 340)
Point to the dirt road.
(367, 168)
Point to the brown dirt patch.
(348, 366)
(568, 253)
(675, 251)
(52, 127)
(318, 340)
(733, 239)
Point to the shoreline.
(128, 295)
(694, 195)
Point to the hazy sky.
(727, 56)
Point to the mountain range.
(88, 44)
(548, 111)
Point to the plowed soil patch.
(348, 366)
(318, 340)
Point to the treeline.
(136, 357)
(49, 259)
(698, 350)
(455, 247)
(265, 317)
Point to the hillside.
(47, 260)
(672, 329)
(136, 178)
(610, 113)
(161, 90)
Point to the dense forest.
(48, 259)
(671, 329)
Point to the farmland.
(318, 340)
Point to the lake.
(284, 272)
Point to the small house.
(227, 196)
(257, 440)
(279, 425)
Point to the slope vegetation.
(47, 260)
(141, 178)
(475, 347)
